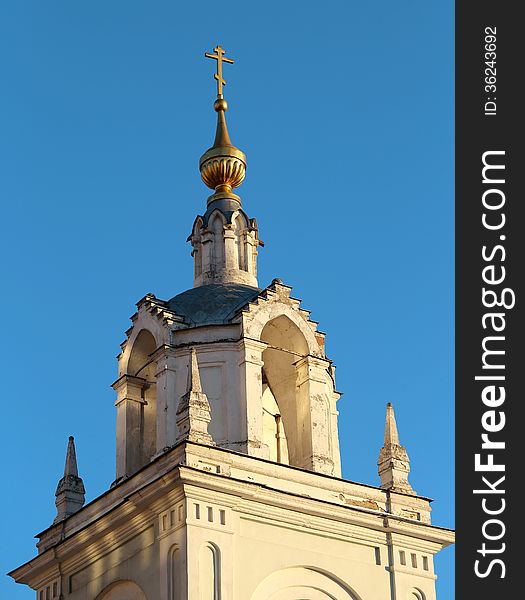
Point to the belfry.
(228, 473)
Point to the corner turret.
(393, 462)
(70, 494)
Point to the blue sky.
(345, 112)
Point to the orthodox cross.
(220, 58)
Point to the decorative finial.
(70, 467)
(391, 434)
(70, 493)
(194, 412)
(223, 166)
(194, 379)
(393, 462)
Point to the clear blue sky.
(345, 111)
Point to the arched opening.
(306, 583)
(217, 227)
(282, 407)
(141, 365)
(122, 590)
(240, 243)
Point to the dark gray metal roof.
(212, 304)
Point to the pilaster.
(251, 253)
(250, 364)
(230, 251)
(207, 252)
(129, 403)
(315, 412)
(167, 429)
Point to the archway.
(283, 430)
(142, 366)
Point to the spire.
(393, 462)
(223, 166)
(194, 412)
(222, 137)
(70, 493)
(194, 378)
(70, 467)
(224, 239)
(391, 434)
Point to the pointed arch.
(263, 313)
(239, 228)
(197, 226)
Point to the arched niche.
(240, 223)
(416, 594)
(143, 367)
(122, 590)
(282, 406)
(216, 226)
(209, 572)
(175, 591)
(306, 583)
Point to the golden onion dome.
(223, 166)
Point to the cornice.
(184, 471)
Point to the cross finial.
(220, 58)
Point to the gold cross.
(220, 58)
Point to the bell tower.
(264, 373)
(228, 471)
